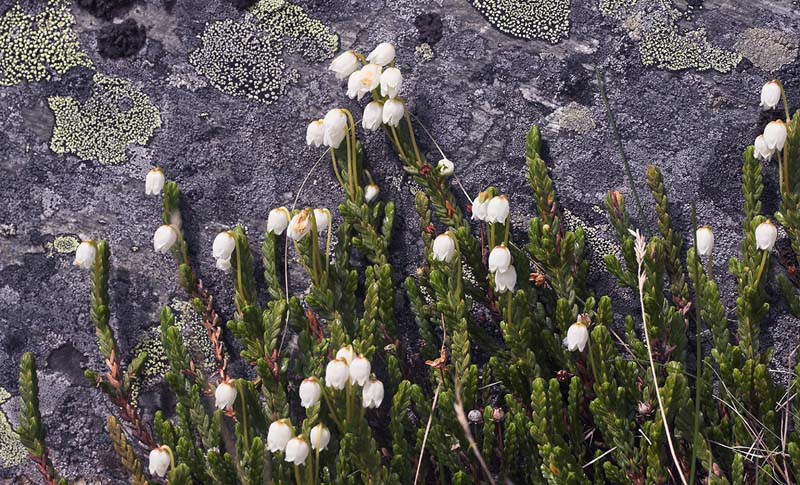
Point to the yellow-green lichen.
(12, 452)
(313, 39)
(32, 46)
(528, 19)
(62, 244)
(424, 52)
(115, 116)
(615, 8)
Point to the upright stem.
(413, 138)
(785, 102)
(698, 351)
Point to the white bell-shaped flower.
(445, 167)
(359, 370)
(480, 206)
(775, 134)
(505, 280)
(346, 353)
(315, 133)
(297, 450)
(770, 95)
(391, 81)
(371, 191)
(279, 434)
(373, 116)
(761, 150)
(224, 395)
(444, 247)
(278, 220)
(154, 181)
(164, 238)
(335, 124)
(498, 209)
(224, 244)
(344, 64)
(577, 337)
(705, 241)
(499, 259)
(336, 374)
(310, 391)
(766, 235)
(354, 84)
(160, 460)
(322, 219)
(85, 254)
(319, 436)
(364, 81)
(382, 54)
(372, 393)
(300, 225)
(393, 111)
(223, 264)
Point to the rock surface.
(237, 155)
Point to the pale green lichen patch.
(32, 46)
(115, 116)
(62, 244)
(424, 52)
(616, 8)
(768, 49)
(12, 452)
(528, 19)
(242, 59)
(313, 39)
(573, 117)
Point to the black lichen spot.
(429, 26)
(105, 9)
(242, 4)
(121, 40)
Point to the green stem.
(316, 466)
(400, 147)
(336, 169)
(785, 102)
(591, 358)
(510, 300)
(761, 267)
(411, 133)
(698, 351)
(297, 477)
(508, 230)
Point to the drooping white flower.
(393, 111)
(766, 234)
(505, 280)
(444, 247)
(224, 395)
(775, 134)
(705, 241)
(154, 181)
(498, 209)
(164, 238)
(223, 264)
(297, 450)
(373, 116)
(372, 393)
(315, 133)
(336, 374)
(370, 192)
(335, 124)
(278, 220)
(85, 254)
(344, 64)
(480, 205)
(770, 95)
(363, 81)
(322, 219)
(359, 370)
(391, 81)
(346, 353)
(310, 391)
(224, 244)
(160, 460)
(761, 150)
(499, 259)
(319, 436)
(300, 225)
(354, 84)
(577, 336)
(382, 54)
(445, 167)
(279, 434)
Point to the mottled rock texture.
(236, 156)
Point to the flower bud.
(279, 434)
(475, 416)
(393, 111)
(372, 393)
(336, 374)
(480, 205)
(770, 95)
(761, 150)
(577, 336)
(498, 415)
(160, 460)
(705, 241)
(223, 264)
(335, 127)
(224, 244)
(505, 280)
(322, 219)
(154, 181)
(775, 134)
(315, 133)
(371, 191)
(164, 239)
(278, 220)
(319, 436)
(344, 64)
(359, 370)
(498, 209)
(297, 450)
(373, 116)
(391, 81)
(445, 167)
(310, 391)
(300, 225)
(346, 353)
(382, 54)
(85, 254)
(224, 395)
(444, 247)
(499, 259)
(766, 234)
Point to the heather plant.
(516, 370)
